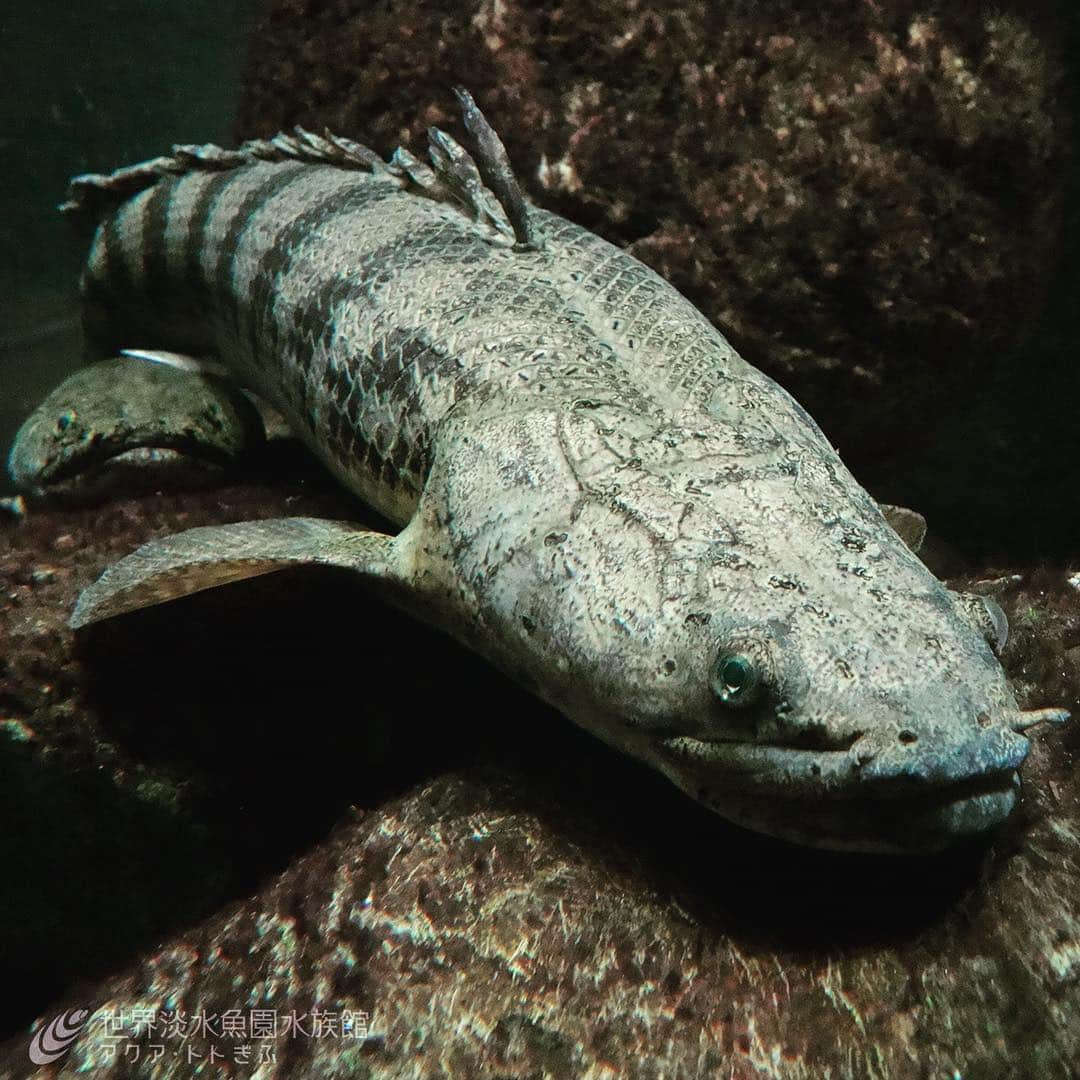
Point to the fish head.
(894, 730)
(839, 702)
(126, 425)
(781, 656)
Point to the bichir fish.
(593, 490)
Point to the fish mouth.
(829, 799)
(139, 468)
(906, 825)
(143, 456)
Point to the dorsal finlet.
(97, 193)
(458, 176)
(484, 186)
(497, 172)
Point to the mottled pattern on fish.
(599, 494)
(365, 311)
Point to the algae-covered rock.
(871, 199)
(118, 753)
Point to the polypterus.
(592, 488)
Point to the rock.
(502, 895)
(872, 204)
(104, 841)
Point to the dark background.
(89, 88)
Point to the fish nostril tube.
(1028, 718)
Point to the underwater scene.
(540, 540)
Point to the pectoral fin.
(204, 558)
(909, 525)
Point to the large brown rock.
(871, 198)
(503, 895)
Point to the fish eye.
(736, 678)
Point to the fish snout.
(951, 780)
(938, 754)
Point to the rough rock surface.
(103, 839)
(870, 198)
(502, 895)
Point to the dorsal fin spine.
(484, 186)
(97, 193)
(497, 173)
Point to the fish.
(589, 486)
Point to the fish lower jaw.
(899, 814)
(136, 469)
(900, 826)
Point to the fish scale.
(594, 490)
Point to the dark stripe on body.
(95, 279)
(396, 367)
(277, 261)
(352, 430)
(402, 352)
(155, 284)
(221, 278)
(120, 279)
(101, 291)
(427, 246)
(195, 242)
(379, 372)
